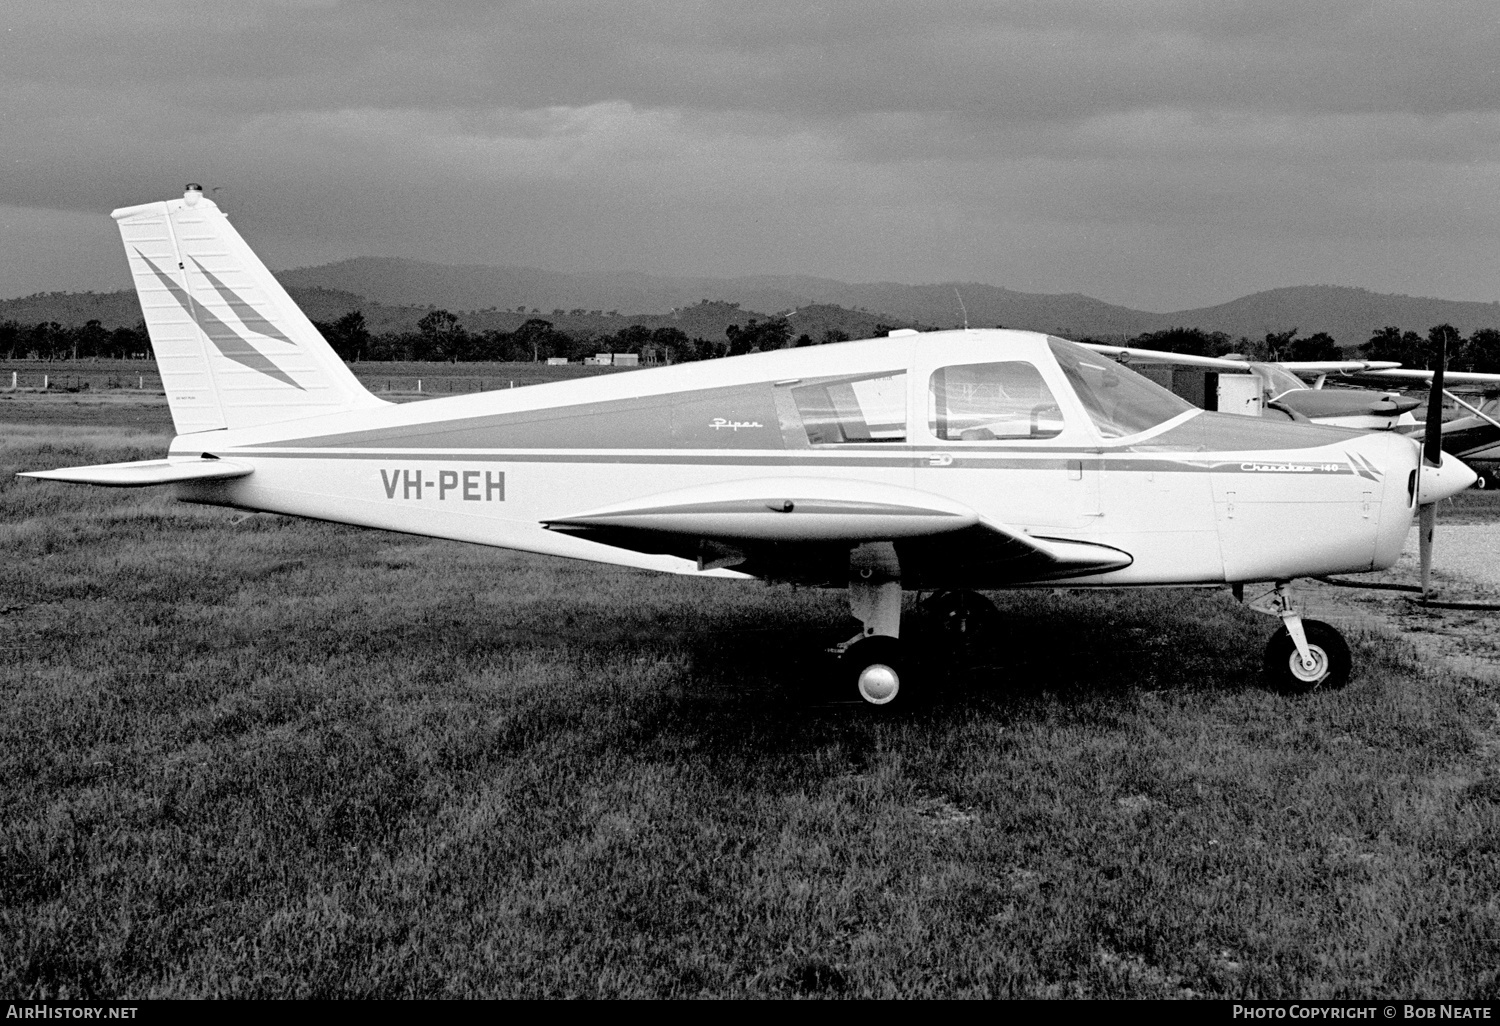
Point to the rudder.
(232, 347)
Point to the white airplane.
(1277, 390)
(957, 460)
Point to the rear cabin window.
(867, 409)
(982, 402)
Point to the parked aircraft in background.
(1278, 391)
(1474, 435)
(955, 460)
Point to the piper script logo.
(721, 424)
(458, 485)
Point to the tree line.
(48, 340)
(438, 336)
(441, 336)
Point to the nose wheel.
(1304, 655)
(1325, 669)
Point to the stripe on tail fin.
(232, 347)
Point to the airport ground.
(267, 757)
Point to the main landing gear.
(1304, 655)
(875, 661)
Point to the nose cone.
(1448, 478)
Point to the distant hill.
(1350, 315)
(121, 309)
(401, 282)
(394, 294)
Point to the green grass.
(1471, 506)
(280, 758)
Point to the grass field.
(267, 757)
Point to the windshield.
(1118, 400)
(1279, 381)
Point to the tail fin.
(233, 349)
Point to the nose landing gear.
(1304, 655)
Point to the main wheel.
(877, 668)
(964, 622)
(1331, 661)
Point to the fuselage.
(1008, 423)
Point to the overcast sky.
(1162, 154)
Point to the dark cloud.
(1049, 144)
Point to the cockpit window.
(980, 402)
(1119, 401)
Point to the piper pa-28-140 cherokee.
(955, 460)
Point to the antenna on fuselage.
(962, 309)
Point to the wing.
(1409, 378)
(801, 529)
(1310, 368)
(146, 472)
(1314, 367)
(1160, 356)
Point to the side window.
(868, 409)
(981, 402)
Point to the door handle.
(940, 459)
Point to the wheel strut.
(874, 659)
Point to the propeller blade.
(1432, 456)
(1432, 440)
(1427, 524)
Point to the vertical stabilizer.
(233, 349)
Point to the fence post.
(419, 384)
(45, 379)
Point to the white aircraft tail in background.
(233, 348)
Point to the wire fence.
(396, 379)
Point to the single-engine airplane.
(956, 460)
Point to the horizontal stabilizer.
(146, 472)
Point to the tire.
(964, 623)
(1330, 652)
(877, 668)
(1486, 479)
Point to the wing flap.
(146, 472)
